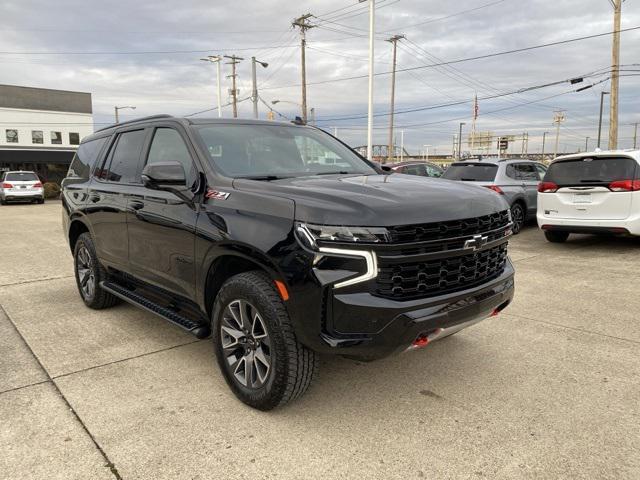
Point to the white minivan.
(593, 192)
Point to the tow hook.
(425, 339)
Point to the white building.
(40, 129)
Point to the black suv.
(281, 243)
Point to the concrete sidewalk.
(548, 389)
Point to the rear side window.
(591, 170)
(471, 172)
(85, 158)
(21, 177)
(526, 171)
(124, 157)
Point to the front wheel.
(518, 217)
(89, 273)
(261, 360)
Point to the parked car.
(20, 185)
(230, 228)
(595, 192)
(424, 169)
(516, 180)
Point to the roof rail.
(135, 120)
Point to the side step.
(197, 329)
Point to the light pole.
(460, 141)
(254, 92)
(372, 9)
(217, 59)
(602, 94)
(586, 144)
(544, 137)
(426, 150)
(116, 109)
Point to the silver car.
(516, 179)
(21, 186)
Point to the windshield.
(471, 172)
(592, 170)
(277, 151)
(21, 177)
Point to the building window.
(12, 136)
(74, 138)
(37, 136)
(56, 138)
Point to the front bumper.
(390, 326)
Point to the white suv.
(20, 185)
(594, 192)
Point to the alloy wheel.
(86, 273)
(246, 344)
(517, 214)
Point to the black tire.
(3, 202)
(40, 201)
(518, 216)
(292, 366)
(87, 268)
(556, 237)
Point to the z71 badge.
(216, 195)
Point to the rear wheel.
(89, 274)
(261, 360)
(556, 237)
(41, 201)
(518, 217)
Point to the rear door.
(108, 194)
(527, 173)
(586, 188)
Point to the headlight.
(309, 234)
(343, 234)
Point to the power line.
(467, 59)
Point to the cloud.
(179, 83)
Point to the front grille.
(450, 229)
(403, 277)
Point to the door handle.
(136, 204)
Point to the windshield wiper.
(266, 178)
(340, 172)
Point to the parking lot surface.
(548, 389)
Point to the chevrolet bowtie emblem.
(478, 241)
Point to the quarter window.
(56, 138)
(85, 158)
(123, 165)
(37, 136)
(168, 146)
(12, 135)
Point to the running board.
(195, 328)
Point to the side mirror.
(386, 168)
(164, 176)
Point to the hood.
(379, 200)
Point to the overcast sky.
(89, 46)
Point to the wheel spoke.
(231, 337)
(234, 309)
(262, 364)
(91, 285)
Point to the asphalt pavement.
(550, 388)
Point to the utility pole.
(586, 144)
(544, 137)
(234, 91)
(217, 59)
(602, 94)
(635, 135)
(402, 144)
(558, 118)
(615, 75)
(460, 141)
(254, 92)
(372, 16)
(394, 41)
(303, 24)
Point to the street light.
(460, 141)
(217, 59)
(121, 108)
(426, 147)
(602, 94)
(254, 93)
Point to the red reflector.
(282, 290)
(495, 312)
(7, 185)
(547, 187)
(495, 188)
(421, 341)
(625, 186)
